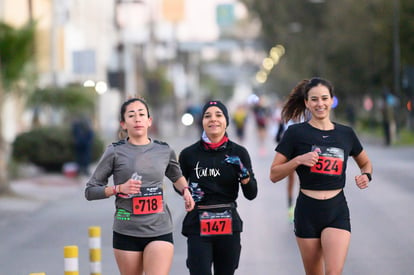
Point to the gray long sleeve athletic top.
(153, 162)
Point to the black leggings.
(223, 252)
(313, 215)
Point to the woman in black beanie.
(215, 168)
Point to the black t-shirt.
(334, 147)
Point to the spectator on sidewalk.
(83, 136)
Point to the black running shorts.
(313, 215)
(131, 243)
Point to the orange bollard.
(95, 250)
(71, 260)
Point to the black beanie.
(219, 105)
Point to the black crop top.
(334, 147)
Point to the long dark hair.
(295, 107)
(122, 133)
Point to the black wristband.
(368, 175)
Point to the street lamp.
(124, 77)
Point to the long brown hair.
(295, 107)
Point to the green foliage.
(406, 31)
(405, 137)
(71, 99)
(349, 42)
(16, 49)
(159, 88)
(50, 147)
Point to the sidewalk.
(31, 193)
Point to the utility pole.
(30, 8)
(126, 54)
(4, 184)
(396, 46)
(396, 63)
(53, 44)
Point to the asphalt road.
(51, 213)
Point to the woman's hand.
(188, 200)
(308, 159)
(130, 187)
(242, 171)
(362, 181)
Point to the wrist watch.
(368, 175)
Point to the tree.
(16, 52)
(68, 100)
(348, 42)
(406, 32)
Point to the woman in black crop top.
(318, 151)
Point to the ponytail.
(295, 107)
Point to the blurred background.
(67, 64)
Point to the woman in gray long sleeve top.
(142, 220)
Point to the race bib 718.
(149, 201)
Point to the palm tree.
(16, 52)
